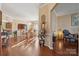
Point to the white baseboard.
(48, 46)
(45, 44)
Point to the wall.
(0, 6)
(54, 21)
(0, 33)
(3, 25)
(0, 30)
(64, 22)
(46, 10)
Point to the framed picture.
(75, 20)
(21, 26)
(9, 25)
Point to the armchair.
(41, 37)
(70, 37)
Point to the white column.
(0, 6)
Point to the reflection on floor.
(32, 50)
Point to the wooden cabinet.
(20, 26)
(9, 26)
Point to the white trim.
(50, 47)
(43, 5)
(45, 44)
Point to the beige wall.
(46, 10)
(54, 21)
(64, 22)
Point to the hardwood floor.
(32, 49)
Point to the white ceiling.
(30, 11)
(23, 11)
(66, 8)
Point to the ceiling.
(23, 11)
(30, 11)
(66, 8)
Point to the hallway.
(53, 23)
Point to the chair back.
(66, 32)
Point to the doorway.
(61, 20)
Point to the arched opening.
(43, 24)
(42, 34)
